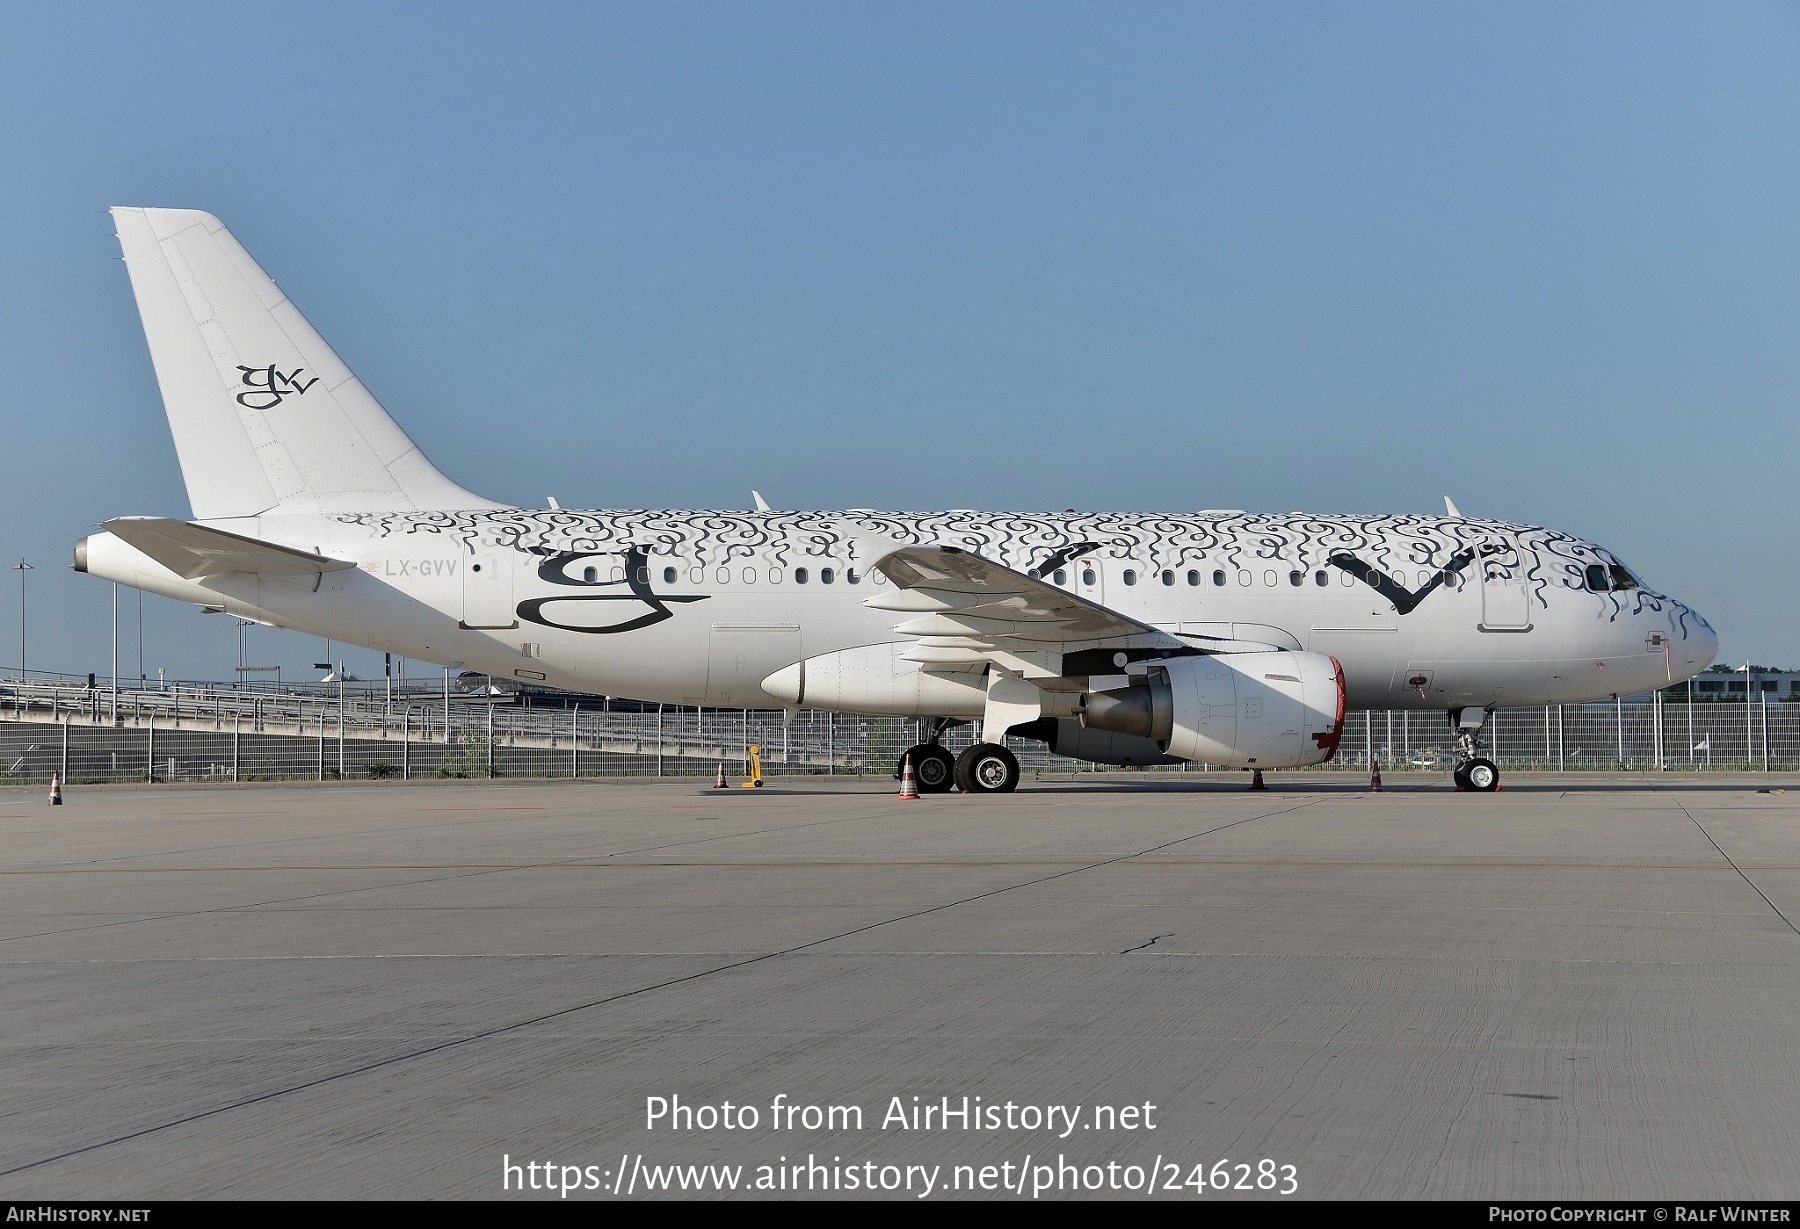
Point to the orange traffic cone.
(720, 783)
(909, 788)
(56, 789)
(1375, 776)
(1256, 781)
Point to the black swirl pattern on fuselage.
(1397, 545)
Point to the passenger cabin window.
(590, 575)
(1062, 576)
(668, 576)
(1219, 577)
(1087, 576)
(799, 576)
(826, 576)
(1296, 579)
(1320, 579)
(1193, 577)
(1130, 576)
(1168, 577)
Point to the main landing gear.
(1474, 771)
(934, 769)
(985, 768)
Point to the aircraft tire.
(1460, 775)
(1482, 775)
(934, 769)
(987, 768)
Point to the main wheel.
(987, 768)
(1482, 775)
(934, 769)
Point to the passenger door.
(1505, 590)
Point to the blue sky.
(1541, 258)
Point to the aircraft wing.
(965, 610)
(192, 551)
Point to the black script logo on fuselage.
(269, 386)
(636, 586)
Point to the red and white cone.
(56, 789)
(720, 783)
(1256, 781)
(1375, 776)
(909, 788)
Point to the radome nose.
(1699, 647)
(1707, 649)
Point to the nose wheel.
(1474, 771)
(1480, 774)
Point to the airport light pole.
(21, 567)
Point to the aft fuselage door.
(488, 592)
(1505, 589)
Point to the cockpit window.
(1609, 576)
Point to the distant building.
(1719, 685)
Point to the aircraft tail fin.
(266, 418)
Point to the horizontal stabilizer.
(192, 551)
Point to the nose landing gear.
(1474, 771)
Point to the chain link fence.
(197, 733)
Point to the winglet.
(1451, 508)
(762, 505)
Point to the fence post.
(1763, 701)
(150, 750)
(406, 743)
(490, 742)
(575, 743)
(1619, 726)
(659, 740)
(237, 726)
(321, 744)
(65, 751)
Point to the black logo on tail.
(269, 385)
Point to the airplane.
(1217, 636)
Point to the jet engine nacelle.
(1240, 710)
(876, 679)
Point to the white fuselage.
(698, 607)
